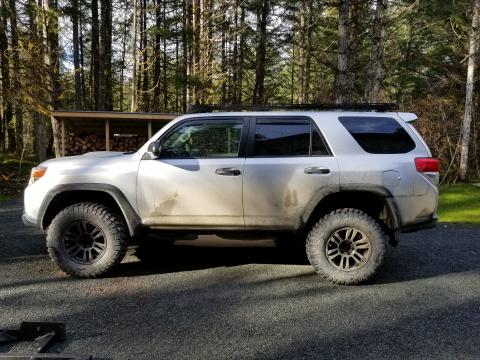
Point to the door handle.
(228, 171)
(316, 170)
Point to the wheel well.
(369, 202)
(67, 198)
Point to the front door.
(288, 165)
(197, 180)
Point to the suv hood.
(98, 166)
(87, 156)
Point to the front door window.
(214, 139)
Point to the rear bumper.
(423, 224)
(28, 221)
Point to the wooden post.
(149, 129)
(107, 135)
(63, 136)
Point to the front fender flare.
(131, 217)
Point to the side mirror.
(155, 148)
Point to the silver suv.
(343, 182)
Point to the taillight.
(427, 164)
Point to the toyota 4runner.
(345, 183)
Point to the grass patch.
(5, 197)
(459, 203)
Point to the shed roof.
(96, 115)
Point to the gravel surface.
(211, 299)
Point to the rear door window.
(288, 137)
(378, 135)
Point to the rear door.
(288, 165)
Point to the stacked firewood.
(75, 145)
(126, 143)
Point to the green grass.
(5, 197)
(459, 203)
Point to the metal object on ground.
(44, 333)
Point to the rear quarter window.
(378, 135)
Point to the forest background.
(164, 55)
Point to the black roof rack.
(381, 107)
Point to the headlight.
(37, 173)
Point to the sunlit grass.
(459, 203)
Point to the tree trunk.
(469, 105)
(177, 72)
(144, 38)
(223, 64)
(52, 59)
(16, 80)
(342, 60)
(208, 48)
(234, 90)
(308, 55)
(102, 55)
(187, 55)
(261, 37)
(157, 56)
(165, 59)
(195, 44)
(94, 67)
(302, 48)
(105, 76)
(241, 55)
(353, 48)
(76, 55)
(141, 64)
(54, 53)
(134, 102)
(5, 74)
(39, 124)
(82, 73)
(124, 49)
(6, 84)
(374, 80)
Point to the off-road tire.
(318, 238)
(115, 236)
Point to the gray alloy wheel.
(348, 249)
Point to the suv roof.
(382, 107)
(302, 109)
(405, 116)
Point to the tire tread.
(118, 231)
(312, 248)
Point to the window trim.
(250, 151)
(209, 120)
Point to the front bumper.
(28, 221)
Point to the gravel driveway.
(249, 300)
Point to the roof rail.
(381, 107)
